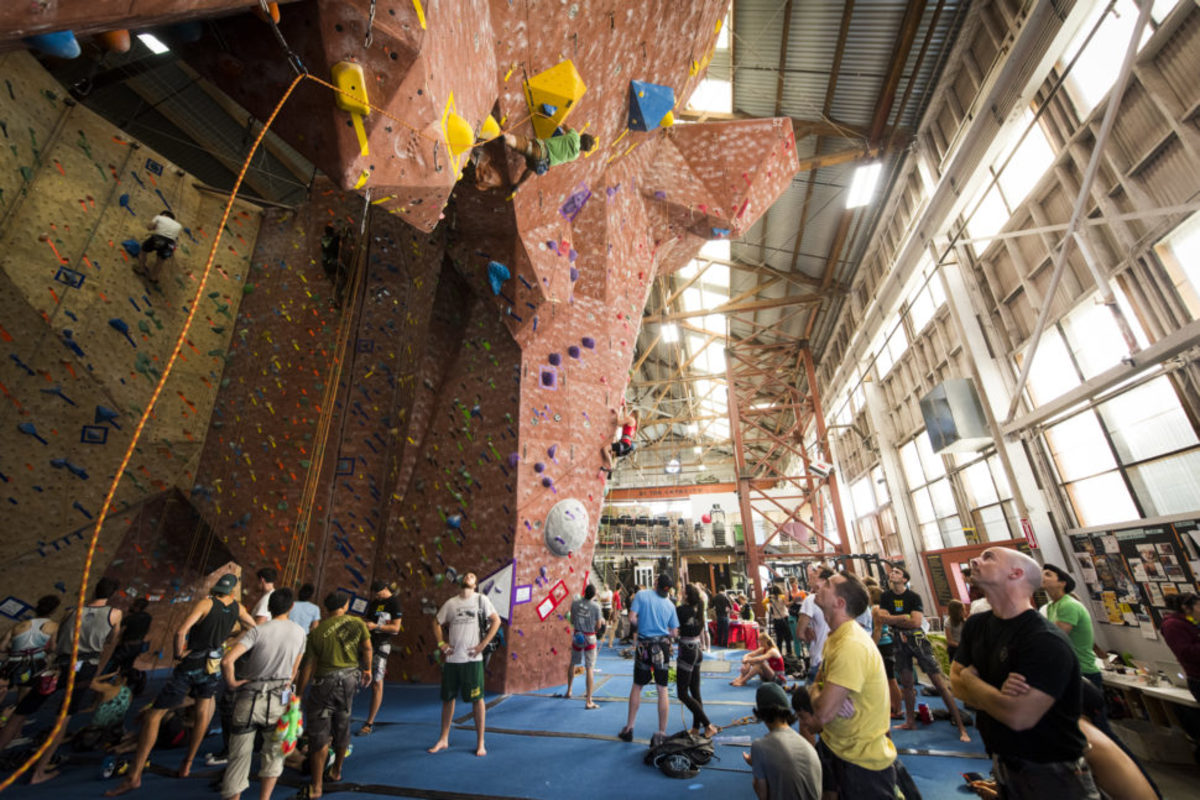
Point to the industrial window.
(1099, 62)
(932, 496)
(1179, 252)
(1021, 164)
(989, 497)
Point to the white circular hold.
(566, 527)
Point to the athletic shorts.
(327, 713)
(919, 649)
(853, 782)
(888, 651)
(159, 244)
(653, 658)
(183, 682)
(583, 653)
(462, 680)
(379, 661)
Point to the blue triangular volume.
(648, 104)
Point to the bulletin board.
(1129, 572)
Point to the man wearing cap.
(1069, 614)
(657, 622)
(199, 645)
(337, 658)
(383, 621)
(850, 699)
(457, 628)
(785, 766)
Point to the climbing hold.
(497, 275)
(489, 130)
(668, 120)
(459, 136)
(539, 467)
(348, 77)
(270, 14)
(574, 273)
(706, 518)
(560, 88)
(60, 44)
(555, 359)
(566, 527)
(573, 352)
(454, 520)
(649, 103)
(588, 342)
(116, 41)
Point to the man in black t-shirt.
(1020, 672)
(383, 621)
(903, 609)
(721, 607)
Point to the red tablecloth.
(739, 633)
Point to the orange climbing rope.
(193, 308)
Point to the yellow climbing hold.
(490, 129)
(420, 13)
(552, 95)
(348, 77)
(668, 120)
(459, 136)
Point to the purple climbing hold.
(552, 450)
(572, 255)
(549, 378)
(574, 272)
(555, 359)
(547, 482)
(514, 459)
(573, 351)
(539, 467)
(588, 342)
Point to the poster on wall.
(1129, 573)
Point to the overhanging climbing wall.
(83, 339)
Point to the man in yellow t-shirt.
(850, 698)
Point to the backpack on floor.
(681, 754)
(795, 665)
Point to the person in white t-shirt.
(811, 626)
(162, 242)
(456, 628)
(266, 583)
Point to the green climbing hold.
(248, 289)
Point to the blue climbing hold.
(60, 44)
(648, 104)
(497, 275)
(132, 246)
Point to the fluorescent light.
(670, 332)
(154, 43)
(862, 188)
(697, 449)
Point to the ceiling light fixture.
(862, 188)
(673, 466)
(670, 332)
(154, 43)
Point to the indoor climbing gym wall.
(84, 339)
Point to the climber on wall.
(625, 429)
(542, 154)
(162, 242)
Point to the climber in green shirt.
(542, 154)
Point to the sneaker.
(626, 735)
(216, 759)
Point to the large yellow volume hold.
(348, 77)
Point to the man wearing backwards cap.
(785, 766)
(1069, 614)
(656, 622)
(198, 651)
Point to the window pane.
(1147, 421)
(897, 344)
(1079, 448)
(999, 478)
(952, 532)
(862, 496)
(921, 310)
(988, 219)
(880, 485)
(923, 506)
(1029, 163)
(931, 463)
(931, 536)
(1180, 253)
(1095, 339)
(992, 524)
(1169, 485)
(943, 498)
(977, 481)
(1093, 74)
(1052, 372)
(912, 463)
(1101, 500)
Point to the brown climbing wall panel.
(83, 339)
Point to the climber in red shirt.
(622, 444)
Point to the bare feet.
(41, 777)
(963, 737)
(907, 726)
(185, 769)
(590, 705)
(127, 786)
(439, 747)
(481, 751)
(711, 731)
(736, 683)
